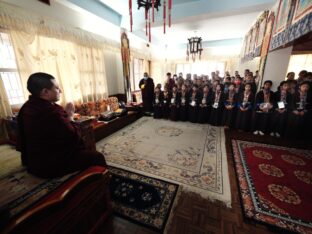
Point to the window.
(8, 71)
(300, 62)
(201, 68)
(137, 73)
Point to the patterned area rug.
(142, 199)
(192, 155)
(275, 184)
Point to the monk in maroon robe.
(147, 88)
(49, 141)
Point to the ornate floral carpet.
(142, 199)
(192, 155)
(275, 184)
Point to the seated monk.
(49, 141)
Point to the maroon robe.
(50, 143)
(147, 93)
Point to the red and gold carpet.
(275, 184)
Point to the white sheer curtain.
(79, 70)
(74, 57)
(5, 111)
(5, 108)
(92, 73)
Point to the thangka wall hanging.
(267, 35)
(262, 23)
(294, 21)
(282, 22)
(254, 39)
(282, 16)
(247, 46)
(301, 21)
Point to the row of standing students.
(278, 114)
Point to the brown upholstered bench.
(79, 205)
(103, 129)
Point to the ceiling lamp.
(151, 4)
(194, 47)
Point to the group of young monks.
(235, 103)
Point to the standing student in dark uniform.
(193, 104)
(238, 85)
(158, 103)
(166, 102)
(250, 79)
(169, 82)
(245, 106)
(263, 109)
(229, 113)
(282, 99)
(174, 104)
(184, 96)
(227, 83)
(217, 106)
(147, 88)
(205, 105)
(300, 114)
(292, 86)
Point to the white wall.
(114, 73)
(276, 66)
(232, 65)
(252, 65)
(159, 70)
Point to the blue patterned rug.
(141, 199)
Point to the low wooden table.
(104, 129)
(87, 133)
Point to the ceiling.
(212, 20)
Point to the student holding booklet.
(244, 106)
(194, 100)
(174, 104)
(282, 99)
(217, 106)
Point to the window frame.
(15, 70)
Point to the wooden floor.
(195, 215)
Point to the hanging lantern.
(194, 47)
(152, 4)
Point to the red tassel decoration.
(187, 52)
(164, 16)
(169, 7)
(153, 5)
(149, 27)
(130, 11)
(146, 30)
